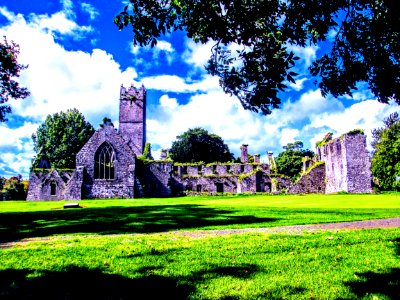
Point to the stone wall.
(158, 179)
(311, 182)
(347, 164)
(359, 176)
(163, 179)
(122, 186)
(41, 181)
(334, 156)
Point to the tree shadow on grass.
(117, 220)
(82, 283)
(382, 284)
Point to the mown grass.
(159, 255)
(324, 265)
(39, 219)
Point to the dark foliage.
(386, 159)
(197, 145)
(289, 162)
(15, 188)
(366, 44)
(9, 69)
(61, 137)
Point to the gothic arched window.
(104, 162)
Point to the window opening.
(220, 187)
(53, 188)
(104, 162)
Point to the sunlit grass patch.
(30, 219)
(328, 265)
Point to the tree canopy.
(197, 145)
(252, 55)
(15, 187)
(289, 162)
(386, 155)
(9, 69)
(61, 137)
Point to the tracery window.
(104, 162)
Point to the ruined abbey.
(112, 165)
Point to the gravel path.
(296, 229)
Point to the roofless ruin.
(111, 165)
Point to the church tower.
(132, 117)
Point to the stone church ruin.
(112, 165)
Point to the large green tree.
(197, 145)
(9, 70)
(61, 137)
(386, 154)
(289, 162)
(15, 187)
(365, 46)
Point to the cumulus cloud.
(173, 83)
(288, 135)
(91, 10)
(366, 115)
(57, 79)
(16, 141)
(306, 54)
(197, 55)
(298, 85)
(218, 113)
(163, 49)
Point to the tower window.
(104, 162)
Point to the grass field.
(148, 259)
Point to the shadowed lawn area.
(39, 219)
(326, 265)
(158, 263)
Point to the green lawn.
(39, 219)
(155, 263)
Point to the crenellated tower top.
(133, 93)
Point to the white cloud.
(162, 49)
(310, 103)
(288, 135)
(91, 10)
(58, 80)
(298, 85)
(59, 23)
(165, 46)
(197, 55)
(173, 83)
(16, 140)
(216, 112)
(168, 103)
(306, 54)
(366, 115)
(68, 7)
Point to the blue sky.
(78, 59)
